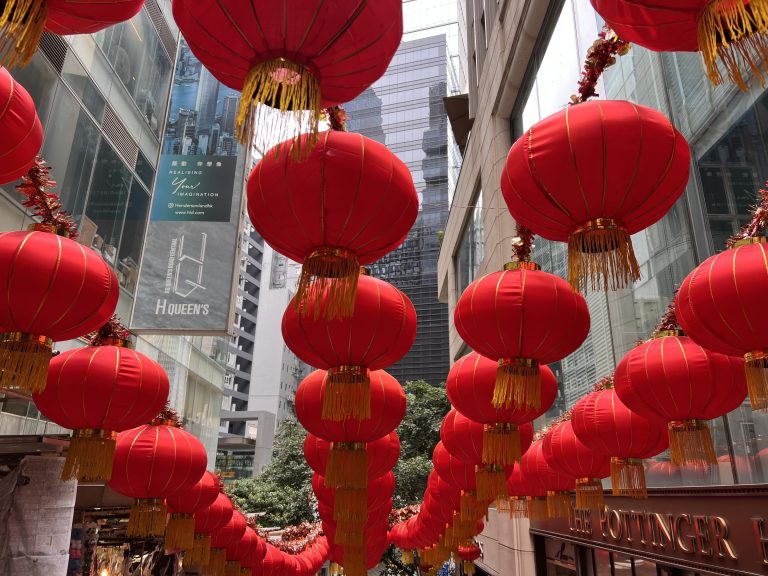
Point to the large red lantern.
(521, 317)
(568, 179)
(21, 128)
(379, 333)
(272, 564)
(543, 477)
(98, 391)
(344, 500)
(297, 56)
(151, 463)
(469, 552)
(242, 552)
(348, 204)
(207, 521)
(470, 386)
(222, 540)
(567, 454)
(462, 476)
(604, 423)
(673, 378)
(720, 305)
(180, 530)
(55, 289)
(727, 33)
(519, 491)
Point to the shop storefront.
(672, 533)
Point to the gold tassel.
(538, 508)
(349, 533)
(690, 443)
(232, 568)
(354, 561)
(757, 379)
(502, 504)
(347, 394)
(24, 360)
(89, 456)
(518, 507)
(347, 465)
(491, 483)
(469, 567)
(406, 556)
(350, 512)
(558, 504)
(328, 284)
(217, 563)
(335, 569)
(147, 518)
(518, 383)
(501, 444)
(246, 572)
(733, 31)
(180, 532)
(628, 478)
(601, 257)
(472, 508)
(200, 554)
(287, 87)
(589, 494)
(21, 26)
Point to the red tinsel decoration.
(112, 330)
(399, 515)
(759, 223)
(600, 56)
(44, 204)
(169, 417)
(337, 117)
(522, 244)
(668, 322)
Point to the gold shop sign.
(722, 531)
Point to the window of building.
(470, 252)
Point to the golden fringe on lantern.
(349, 533)
(328, 284)
(601, 257)
(200, 554)
(690, 443)
(21, 26)
(354, 561)
(502, 504)
(518, 383)
(558, 504)
(347, 394)
(217, 563)
(350, 512)
(589, 494)
(279, 95)
(733, 31)
(147, 518)
(469, 567)
(472, 508)
(628, 478)
(538, 508)
(518, 507)
(757, 379)
(491, 483)
(246, 572)
(406, 556)
(24, 360)
(335, 569)
(347, 465)
(89, 456)
(232, 568)
(501, 444)
(180, 532)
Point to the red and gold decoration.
(240, 554)
(350, 202)
(519, 491)
(222, 540)
(469, 552)
(207, 521)
(296, 56)
(98, 391)
(21, 129)
(180, 530)
(462, 476)
(543, 477)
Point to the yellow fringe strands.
(690, 443)
(518, 507)
(200, 554)
(502, 504)
(491, 483)
(558, 504)
(180, 532)
(469, 567)
(628, 478)
(89, 456)
(354, 561)
(472, 508)
(24, 361)
(147, 518)
(279, 95)
(757, 379)
(538, 508)
(21, 26)
(232, 568)
(217, 563)
(501, 444)
(335, 569)
(406, 556)
(246, 572)
(347, 466)
(589, 494)
(733, 32)
(351, 505)
(601, 257)
(518, 383)
(347, 394)
(328, 284)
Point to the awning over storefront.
(457, 108)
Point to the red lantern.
(207, 521)
(721, 306)
(242, 552)
(222, 540)
(180, 531)
(568, 179)
(470, 386)
(379, 333)
(345, 501)
(542, 476)
(348, 204)
(468, 553)
(604, 424)
(520, 491)
(272, 564)
(567, 454)
(523, 318)
(21, 128)
(731, 34)
(462, 476)
(296, 56)
(55, 289)
(152, 463)
(673, 378)
(98, 391)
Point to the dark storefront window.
(560, 557)
(470, 253)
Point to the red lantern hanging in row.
(568, 179)
(20, 126)
(469, 552)
(240, 555)
(207, 521)
(520, 491)
(223, 539)
(180, 530)
(462, 476)
(543, 477)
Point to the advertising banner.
(187, 275)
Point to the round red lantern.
(567, 454)
(272, 564)
(207, 521)
(728, 34)
(180, 530)
(462, 476)
(519, 491)
(568, 180)
(543, 477)
(469, 552)
(55, 289)
(604, 424)
(23, 133)
(521, 317)
(720, 306)
(98, 391)
(151, 463)
(470, 386)
(224, 539)
(345, 501)
(379, 333)
(241, 553)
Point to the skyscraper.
(207, 95)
